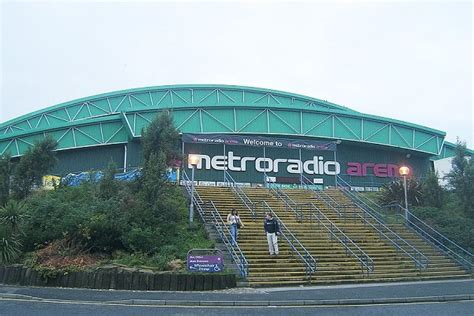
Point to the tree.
(461, 178)
(33, 165)
(11, 216)
(161, 145)
(108, 186)
(162, 136)
(5, 176)
(10, 249)
(433, 193)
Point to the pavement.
(354, 294)
(23, 308)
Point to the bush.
(433, 193)
(394, 192)
(106, 224)
(159, 261)
(10, 249)
(36, 162)
(146, 217)
(12, 216)
(52, 214)
(453, 224)
(5, 177)
(141, 239)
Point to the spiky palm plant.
(11, 216)
(10, 248)
(393, 192)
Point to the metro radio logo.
(315, 166)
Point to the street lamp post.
(337, 142)
(193, 160)
(404, 171)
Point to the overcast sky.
(405, 60)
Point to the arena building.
(258, 135)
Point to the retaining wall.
(118, 279)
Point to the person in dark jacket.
(273, 230)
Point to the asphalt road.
(16, 307)
(453, 297)
(353, 291)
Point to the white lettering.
(230, 161)
(276, 162)
(306, 167)
(219, 163)
(243, 163)
(317, 165)
(267, 168)
(335, 165)
(294, 166)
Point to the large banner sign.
(263, 159)
(258, 141)
(232, 162)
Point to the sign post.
(205, 260)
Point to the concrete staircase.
(389, 266)
(333, 264)
(264, 270)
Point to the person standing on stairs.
(273, 230)
(234, 221)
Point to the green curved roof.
(117, 117)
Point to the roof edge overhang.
(274, 101)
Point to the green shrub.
(393, 192)
(10, 249)
(141, 239)
(52, 214)
(12, 216)
(146, 217)
(158, 261)
(453, 224)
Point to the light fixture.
(404, 171)
(192, 161)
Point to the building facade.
(242, 129)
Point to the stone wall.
(119, 279)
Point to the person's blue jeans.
(233, 234)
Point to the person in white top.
(233, 219)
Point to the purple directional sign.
(205, 263)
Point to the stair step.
(333, 264)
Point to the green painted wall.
(85, 159)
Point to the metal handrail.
(198, 201)
(359, 201)
(467, 263)
(411, 215)
(240, 194)
(224, 233)
(418, 257)
(429, 234)
(365, 260)
(335, 209)
(308, 260)
(305, 182)
(286, 199)
(222, 229)
(306, 257)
